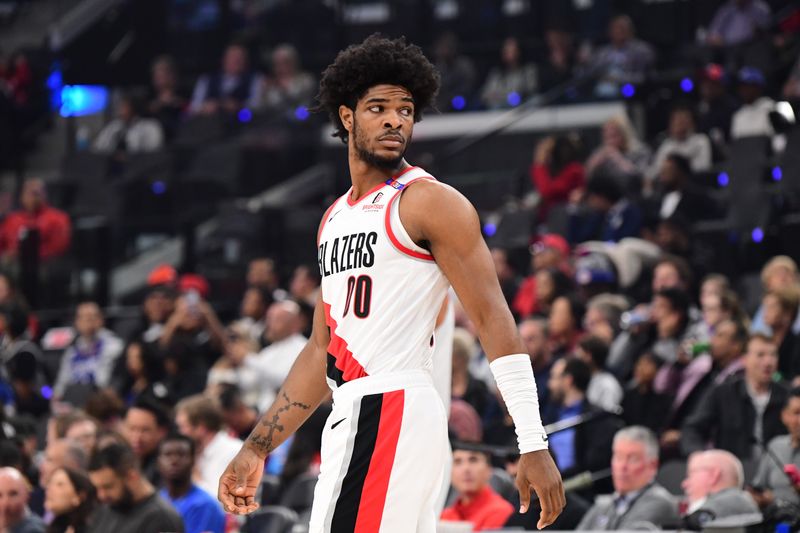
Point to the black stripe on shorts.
(346, 510)
(334, 373)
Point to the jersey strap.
(418, 253)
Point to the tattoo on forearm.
(264, 443)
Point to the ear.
(346, 116)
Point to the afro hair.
(376, 61)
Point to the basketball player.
(387, 251)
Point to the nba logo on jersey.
(395, 184)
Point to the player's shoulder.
(427, 190)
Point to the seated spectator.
(586, 446)
(716, 106)
(464, 385)
(738, 21)
(556, 172)
(625, 59)
(780, 312)
(200, 511)
(604, 390)
(638, 500)
(682, 139)
(262, 273)
(129, 503)
(477, 502)
(779, 273)
(145, 425)
(81, 429)
(512, 82)
(622, 156)
(91, 358)
(551, 283)
(166, 103)
(559, 65)
(23, 363)
(752, 118)
(607, 215)
(549, 251)
(456, 71)
(106, 407)
(771, 484)
(143, 371)
(238, 416)
(534, 335)
(713, 489)
(603, 314)
(641, 404)
(130, 132)
(200, 418)
(285, 342)
(564, 323)
(70, 497)
(716, 308)
(304, 285)
(15, 516)
(675, 195)
(53, 225)
(252, 313)
(287, 87)
(235, 368)
(506, 275)
(58, 453)
(158, 306)
(235, 86)
(740, 412)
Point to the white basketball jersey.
(381, 292)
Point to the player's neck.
(365, 176)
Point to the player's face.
(382, 125)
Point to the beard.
(371, 158)
(125, 503)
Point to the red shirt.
(54, 228)
(555, 189)
(525, 303)
(488, 510)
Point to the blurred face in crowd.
(253, 304)
(185, 427)
(302, 283)
(761, 361)
(561, 321)
(666, 276)
(774, 313)
(596, 323)
(175, 461)
(510, 52)
(545, 286)
(234, 62)
(613, 135)
(713, 313)
(711, 89)
(620, 30)
(61, 496)
(88, 319)
(533, 335)
(158, 306)
(681, 124)
(631, 468)
(125, 110)
(712, 287)
(284, 62)
(663, 314)
(163, 75)
(724, 345)
(471, 471)
(645, 370)
(780, 277)
(55, 456)
(5, 289)
(545, 257)
(261, 273)
(238, 347)
(701, 476)
(790, 416)
(142, 431)
(282, 321)
(84, 434)
(32, 197)
(133, 360)
(555, 383)
(501, 266)
(13, 497)
(111, 488)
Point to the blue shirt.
(200, 512)
(563, 442)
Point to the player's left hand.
(537, 470)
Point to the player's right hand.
(239, 482)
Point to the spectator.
(604, 390)
(235, 368)
(551, 283)
(534, 334)
(145, 426)
(638, 501)
(671, 272)
(194, 324)
(715, 309)
(713, 489)
(253, 312)
(559, 65)
(682, 139)
(143, 370)
(564, 323)
(603, 313)
(71, 500)
(476, 503)
(549, 251)
(608, 216)
(304, 285)
(261, 272)
(288, 86)
(512, 82)
(779, 273)
(625, 59)
(285, 342)
(714, 285)
(15, 516)
(129, 503)
(738, 413)
(675, 196)
(234, 87)
(641, 404)
(738, 21)
(59, 453)
(587, 446)
(622, 156)
(166, 102)
(53, 225)
(456, 71)
(82, 429)
(556, 172)
(780, 311)
(509, 281)
(771, 484)
(22, 363)
(752, 118)
(106, 407)
(200, 418)
(716, 106)
(238, 416)
(463, 384)
(157, 307)
(130, 132)
(200, 511)
(91, 358)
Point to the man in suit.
(713, 488)
(638, 501)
